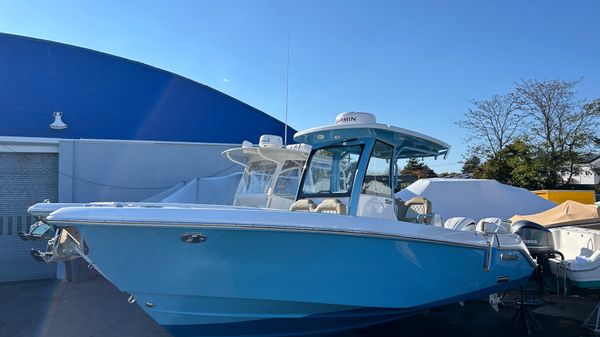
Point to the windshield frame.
(281, 176)
(305, 173)
(392, 172)
(251, 175)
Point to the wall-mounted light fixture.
(58, 123)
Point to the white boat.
(340, 258)
(271, 172)
(270, 179)
(580, 247)
(480, 198)
(575, 230)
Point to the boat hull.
(585, 275)
(247, 281)
(276, 324)
(256, 322)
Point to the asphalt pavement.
(95, 308)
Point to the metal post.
(287, 81)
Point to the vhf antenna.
(287, 81)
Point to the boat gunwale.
(297, 229)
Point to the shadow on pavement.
(52, 308)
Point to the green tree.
(533, 136)
(527, 170)
(496, 168)
(471, 165)
(517, 164)
(561, 127)
(417, 168)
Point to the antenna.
(287, 81)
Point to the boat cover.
(568, 213)
(213, 190)
(475, 198)
(160, 196)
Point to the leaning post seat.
(331, 206)
(303, 205)
(415, 209)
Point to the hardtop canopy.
(409, 144)
(242, 155)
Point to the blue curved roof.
(107, 97)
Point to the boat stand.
(592, 322)
(561, 273)
(525, 315)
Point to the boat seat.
(303, 205)
(331, 206)
(416, 208)
(460, 223)
(584, 251)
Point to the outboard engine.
(536, 237)
(539, 242)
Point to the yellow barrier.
(560, 196)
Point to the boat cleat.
(38, 231)
(42, 256)
(65, 245)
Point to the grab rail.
(489, 252)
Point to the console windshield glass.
(332, 170)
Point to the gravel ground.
(95, 308)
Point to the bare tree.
(492, 124)
(562, 127)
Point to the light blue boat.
(339, 259)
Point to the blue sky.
(415, 64)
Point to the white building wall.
(34, 169)
(586, 175)
(111, 170)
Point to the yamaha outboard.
(540, 243)
(536, 237)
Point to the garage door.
(25, 179)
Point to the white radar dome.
(355, 118)
(270, 141)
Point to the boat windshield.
(289, 178)
(331, 171)
(377, 179)
(257, 177)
